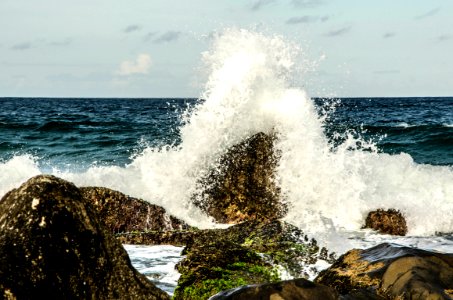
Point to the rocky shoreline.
(60, 241)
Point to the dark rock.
(285, 290)
(247, 253)
(121, 213)
(242, 186)
(53, 246)
(389, 221)
(392, 272)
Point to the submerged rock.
(248, 253)
(391, 272)
(242, 187)
(389, 221)
(121, 213)
(53, 246)
(285, 290)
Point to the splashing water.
(329, 189)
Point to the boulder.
(389, 221)
(302, 289)
(121, 213)
(54, 246)
(391, 271)
(248, 253)
(242, 185)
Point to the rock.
(285, 290)
(121, 213)
(53, 246)
(242, 186)
(246, 253)
(389, 221)
(392, 272)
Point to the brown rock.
(242, 186)
(392, 272)
(121, 213)
(53, 246)
(389, 221)
(284, 290)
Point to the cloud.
(388, 35)
(132, 28)
(444, 37)
(141, 65)
(21, 46)
(258, 4)
(338, 32)
(168, 36)
(307, 3)
(428, 14)
(306, 19)
(149, 36)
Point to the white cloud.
(141, 65)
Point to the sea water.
(340, 158)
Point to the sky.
(152, 48)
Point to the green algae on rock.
(247, 253)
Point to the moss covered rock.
(248, 253)
(53, 246)
(242, 185)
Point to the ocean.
(339, 157)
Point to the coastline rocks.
(248, 253)
(53, 246)
(391, 272)
(242, 186)
(389, 221)
(121, 213)
(291, 289)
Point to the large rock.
(121, 213)
(53, 246)
(242, 186)
(389, 221)
(300, 289)
(392, 272)
(248, 253)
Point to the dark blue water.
(86, 132)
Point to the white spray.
(327, 190)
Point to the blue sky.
(144, 48)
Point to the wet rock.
(248, 253)
(53, 246)
(285, 290)
(121, 213)
(392, 272)
(242, 187)
(389, 221)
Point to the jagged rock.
(121, 213)
(300, 289)
(392, 272)
(53, 246)
(247, 253)
(242, 187)
(389, 221)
